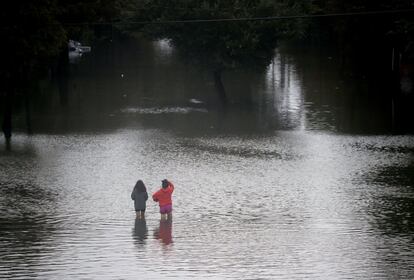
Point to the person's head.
(140, 187)
(164, 183)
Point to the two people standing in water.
(163, 196)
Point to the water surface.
(294, 182)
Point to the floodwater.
(301, 179)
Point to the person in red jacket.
(163, 197)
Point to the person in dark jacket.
(140, 196)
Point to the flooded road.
(305, 182)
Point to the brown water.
(301, 180)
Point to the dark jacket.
(139, 199)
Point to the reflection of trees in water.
(164, 232)
(28, 223)
(25, 242)
(396, 176)
(394, 215)
(393, 211)
(28, 208)
(140, 233)
(25, 199)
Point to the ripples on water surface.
(286, 186)
(291, 205)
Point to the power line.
(268, 18)
(218, 20)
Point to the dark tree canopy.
(232, 43)
(34, 35)
(34, 32)
(222, 44)
(30, 32)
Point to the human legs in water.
(166, 211)
(140, 214)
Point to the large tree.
(366, 30)
(221, 34)
(33, 34)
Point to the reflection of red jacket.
(163, 196)
(165, 232)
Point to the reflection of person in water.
(140, 231)
(164, 232)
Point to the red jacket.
(163, 196)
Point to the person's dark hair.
(140, 187)
(164, 183)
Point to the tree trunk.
(220, 87)
(7, 117)
(62, 76)
(28, 113)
